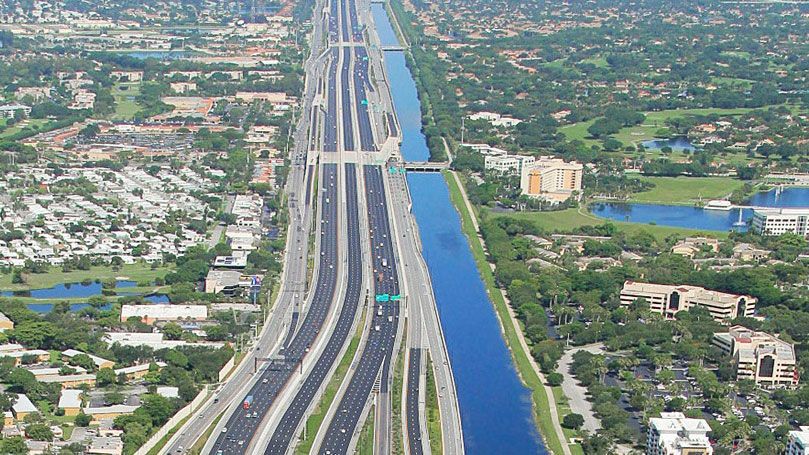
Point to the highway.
(286, 429)
(412, 407)
(378, 350)
(237, 433)
(345, 96)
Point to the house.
(137, 372)
(68, 354)
(106, 446)
(747, 253)
(70, 401)
(22, 407)
(109, 412)
(71, 381)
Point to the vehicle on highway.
(248, 401)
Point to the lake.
(677, 144)
(77, 290)
(495, 407)
(697, 218)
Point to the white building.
(508, 164)
(779, 221)
(759, 356)
(164, 312)
(798, 442)
(674, 434)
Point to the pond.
(677, 144)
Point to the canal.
(496, 411)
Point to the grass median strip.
(365, 446)
(433, 413)
(316, 419)
(198, 446)
(541, 406)
(396, 398)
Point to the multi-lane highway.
(292, 418)
(366, 250)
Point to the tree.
(13, 446)
(573, 421)
(83, 360)
(554, 379)
(105, 376)
(82, 419)
(39, 432)
(173, 331)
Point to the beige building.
(668, 300)
(70, 401)
(5, 323)
(552, 179)
(759, 356)
(674, 434)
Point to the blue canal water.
(697, 218)
(495, 408)
(677, 144)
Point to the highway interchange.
(354, 224)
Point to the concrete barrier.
(226, 368)
(174, 421)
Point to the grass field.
(125, 108)
(133, 272)
(686, 190)
(644, 132)
(565, 220)
(541, 406)
(33, 124)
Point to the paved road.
(378, 350)
(236, 435)
(413, 408)
(575, 392)
(287, 428)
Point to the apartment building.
(551, 178)
(759, 356)
(668, 300)
(674, 434)
(798, 442)
(779, 221)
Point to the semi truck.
(248, 401)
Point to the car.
(265, 380)
(255, 414)
(180, 449)
(225, 430)
(241, 442)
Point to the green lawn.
(565, 220)
(644, 132)
(433, 412)
(686, 190)
(542, 416)
(133, 272)
(33, 124)
(125, 108)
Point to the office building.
(777, 221)
(552, 179)
(674, 434)
(668, 300)
(759, 356)
(798, 442)
(507, 164)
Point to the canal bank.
(496, 408)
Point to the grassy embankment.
(198, 446)
(519, 356)
(365, 446)
(396, 398)
(316, 419)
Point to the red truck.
(248, 401)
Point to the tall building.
(551, 178)
(779, 221)
(759, 356)
(668, 300)
(798, 442)
(674, 434)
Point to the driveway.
(576, 393)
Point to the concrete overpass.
(425, 166)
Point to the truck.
(248, 401)
(384, 262)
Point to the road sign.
(396, 297)
(382, 297)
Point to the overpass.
(425, 166)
